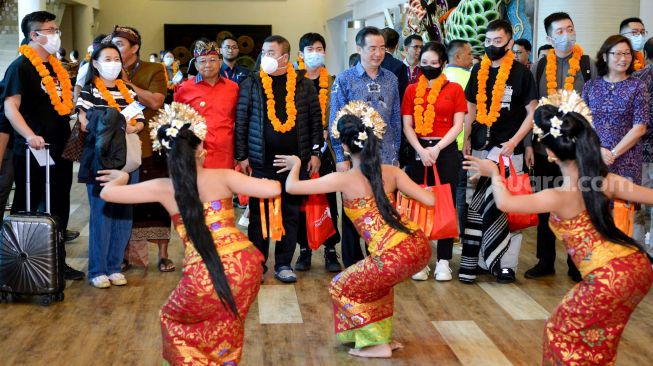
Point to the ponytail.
(350, 126)
(183, 173)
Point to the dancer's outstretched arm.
(254, 187)
(407, 186)
(326, 184)
(623, 189)
(116, 189)
(548, 200)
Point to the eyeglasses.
(635, 33)
(626, 54)
(416, 47)
(235, 47)
(56, 31)
(518, 52)
(211, 60)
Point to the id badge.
(132, 110)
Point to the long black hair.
(580, 142)
(183, 173)
(349, 127)
(92, 70)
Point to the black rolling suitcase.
(31, 251)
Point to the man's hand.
(244, 166)
(36, 142)
(314, 165)
(467, 147)
(529, 156)
(508, 148)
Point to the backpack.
(584, 68)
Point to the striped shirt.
(91, 97)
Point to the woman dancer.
(362, 294)
(586, 327)
(203, 320)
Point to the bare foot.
(394, 345)
(378, 351)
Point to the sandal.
(166, 265)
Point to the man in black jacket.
(390, 63)
(261, 134)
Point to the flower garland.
(64, 104)
(482, 115)
(639, 61)
(175, 68)
(291, 110)
(574, 66)
(323, 83)
(111, 101)
(424, 119)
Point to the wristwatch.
(614, 152)
(317, 153)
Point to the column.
(25, 7)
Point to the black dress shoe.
(541, 269)
(304, 261)
(575, 275)
(331, 263)
(71, 235)
(72, 274)
(506, 275)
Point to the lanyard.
(131, 76)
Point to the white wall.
(646, 14)
(289, 18)
(595, 20)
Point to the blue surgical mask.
(314, 59)
(564, 42)
(637, 42)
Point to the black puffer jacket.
(251, 114)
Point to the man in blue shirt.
(370, 83)
(229, 69)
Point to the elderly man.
(215, 98)
(288, 129)
(229, 68)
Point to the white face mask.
(53, 44)
(269, 64)
(109, 70)
(168, 60)
(637, 42)
(314, 59)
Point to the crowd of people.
(206, 135)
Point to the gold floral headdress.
(370, 117)
(566, 101)
(176, 116)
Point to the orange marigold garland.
(482, 115)
(64, 104)
(300, 63)
(291, 110)
(639, 61)
(323, 83)
(551, 66)
(424, 119)
(175, 68)
(111, 101)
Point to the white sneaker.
(442, 271)
(118, 279)
(100, 282)
(422, 275)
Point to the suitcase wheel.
(46, 300)
(59, 297)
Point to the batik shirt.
(646, 75)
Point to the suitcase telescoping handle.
(47, 179)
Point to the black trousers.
(547, 176)
(327, 166)
(290, 205)
(61, 180)
(448, 166)
(6, 178)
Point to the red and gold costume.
(363, 294)
(586, 327)
(197, 329)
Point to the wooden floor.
(439, 323)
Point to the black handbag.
(480, 136)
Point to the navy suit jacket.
(399, 69)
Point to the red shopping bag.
(624, 216)
(444, 221)
(518, 184)
(319, 225)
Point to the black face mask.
(494, 53)
(431, 72)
